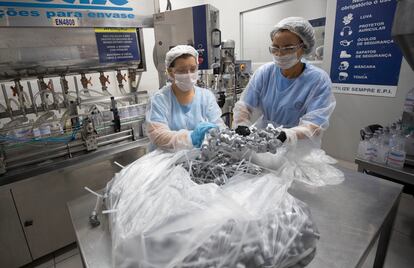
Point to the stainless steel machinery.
(228, 79)
(196, 26)
(219, 71)
(57, 117)
(69, 106)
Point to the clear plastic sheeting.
(161, 135)
(163, 219)
(304, 164)
(226, 205)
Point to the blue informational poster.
(117, 44)
(365, 59)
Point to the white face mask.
(186, 82)
(286, 61)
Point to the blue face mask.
(286, 61)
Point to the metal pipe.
(137, 86)
(132, 76)
(42, 86)
(55, 100)
(114, 140)
(78, 99)
(6, 97)
(107, 99)
(19, 89)
(43, 151)
(37, 160)
(65, 89)
(139, 79)
(72, 145)
(34, 106)
(114, 134)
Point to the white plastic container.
(409, 101)
(364, 148)
(45, 130)
(397, 154)
(396, 158)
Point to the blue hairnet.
(300, 27)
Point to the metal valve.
(120, 77)
(85, 81)
(104, 80)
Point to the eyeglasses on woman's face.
(284, 50)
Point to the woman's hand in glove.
(197, 135)
(243, 130)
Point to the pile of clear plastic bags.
(304, 163)
(164, 216)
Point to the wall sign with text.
(117, 45)
(365, 59)
(76, 13)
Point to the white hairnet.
(300, 27)
(177, 51)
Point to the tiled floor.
(400, 252)
(68, 257)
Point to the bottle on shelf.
(383, 147)
(409, 142)
(365, 148)
(374, 142)
(409, 101)
(396, 156)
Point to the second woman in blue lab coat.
(288, 92)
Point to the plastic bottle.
(363, 148)
(107, 116)
(123, 112)
(374, 142)
(393, 135)
(97, 120)
(36, 132)
(409, 143)
(45, 130)
(56, 129)
(383, 148)
(409, 101)
(396, 156)
(23, 132)
(386, 136)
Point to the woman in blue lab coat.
(288, 92)
(180, 114)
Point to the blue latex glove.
(197, 136)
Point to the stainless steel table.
(404, 175)
(350, 218)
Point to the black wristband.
(282, 136)
(243, 130)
